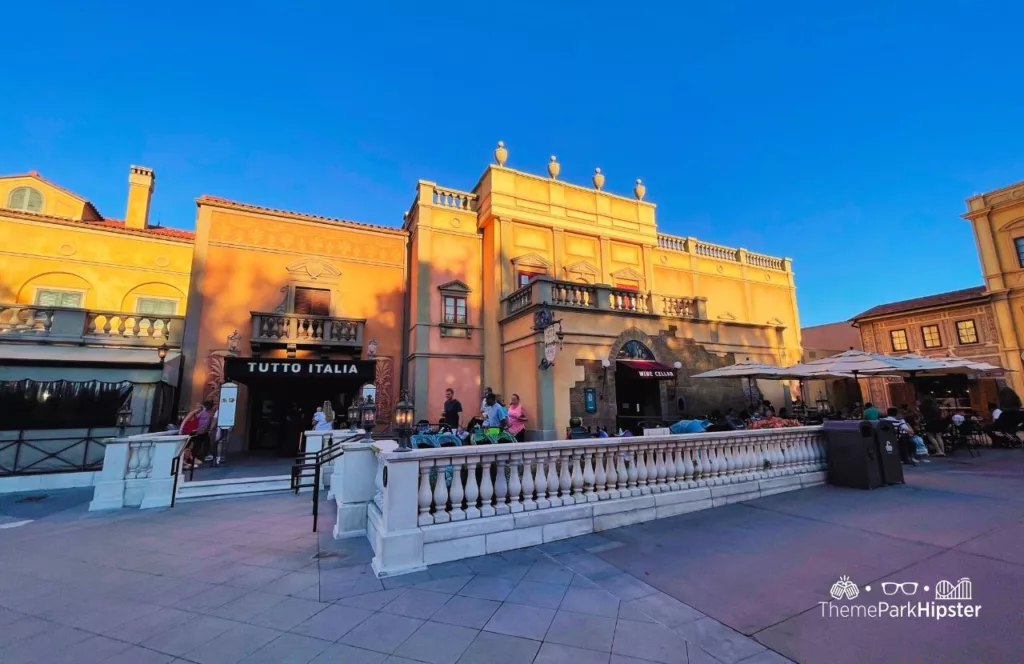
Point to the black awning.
(645, 369)
(261, 369)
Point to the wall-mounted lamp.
(606, 363)
(677, 364)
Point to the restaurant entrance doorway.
(283, 395)
(638, 396)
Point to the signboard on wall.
(228, 404)
(590, 399)
(243, 369)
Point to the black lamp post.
(369, 417)
(354, 411)
(404, 412)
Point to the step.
(239, 486)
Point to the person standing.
(516, 419)
(933, 425)
(452, 409)
(493, 413)
(197, 423)
(871, 413)
(323, 419)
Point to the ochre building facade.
(453, 298)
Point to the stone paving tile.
(536, 593)
(625, 586)
(665, 609)
(287, 614)
(288, 649)
(42, 646)
(416, 603)
(695, 655)
(208, 600)
(139, 655)
(445, 570)
(559, 547)
(628, 612)
(648, 641)
(437, 643)
(450, 585)
(764, 657)
(247, 606)
(255, 578)
(553, 653)
(723, 643)
(343, 654)
(94, 650)
(523, 556)
(181, 638)
(382, 632)
(593, 601)
(488, 587)
(406, 579)
(291, 584)
(233, 645)
(138, 630)
(582, 631)
(395, 659)
(549, 572)
(333, 622)
(331, 591)
(24, 628)
(588, 565)
(466, 612)
(374, 601)
(622, 659)
(529, 622)
(490, 648)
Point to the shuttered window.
(26, 199)
(59, 298)
(156, 306)
(312, 302)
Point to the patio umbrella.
(857, 362)
(746, 369)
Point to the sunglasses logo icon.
(907, 587)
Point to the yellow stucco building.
(452, 299)
(87, 302)
(997, 219)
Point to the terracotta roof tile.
(115, 225)
(927, 302)
(225, 202)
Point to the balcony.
(88, 327)
(297, 331)
(602, 297)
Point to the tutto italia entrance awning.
(281, 371)
(645, 369)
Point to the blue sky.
(844, 136)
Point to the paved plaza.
(245, 580)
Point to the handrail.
(315, 461)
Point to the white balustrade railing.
(463, 483)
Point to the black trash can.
(862, 455)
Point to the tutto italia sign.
(240, 368)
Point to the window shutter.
(17, 200)
(35, 201)
(72, 300)
(312, 301)
(155, 306)
(48, 298)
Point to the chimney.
(140, 190)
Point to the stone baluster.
(529, 503)
(688, 469)
(589, 477)
(564, 478)
(601, 473)
(576, 479)
(486, 487)
(553, 481)
(472, 489)
(640, 469)
(632, 473)
(655, 468)
(541, 482)
(749, 462)
(500, 488)
(457, 492)
(515, 485)
(702, 466)
(778, 459)
(426, 496)
(441, 514)
(136, 323)
(621, 474)
(731, 466)
(671, 469)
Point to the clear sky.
(843, 135)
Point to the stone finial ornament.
(554, 167)
(598, 179)
(500, 153)
(639, 190)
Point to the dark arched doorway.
(638, 378)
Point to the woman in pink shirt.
(516, 417)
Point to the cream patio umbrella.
(749, 370)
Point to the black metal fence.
(50, 454)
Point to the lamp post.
(124, 418)
(369, 418)
(354, 411)
(404, 411)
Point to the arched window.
(634, 350)
(26, 199)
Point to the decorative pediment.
(532, 260)
(628, 273)
(726, 316)
(454, 286)
(1012, 225)
(581, 270)
(313, 269)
